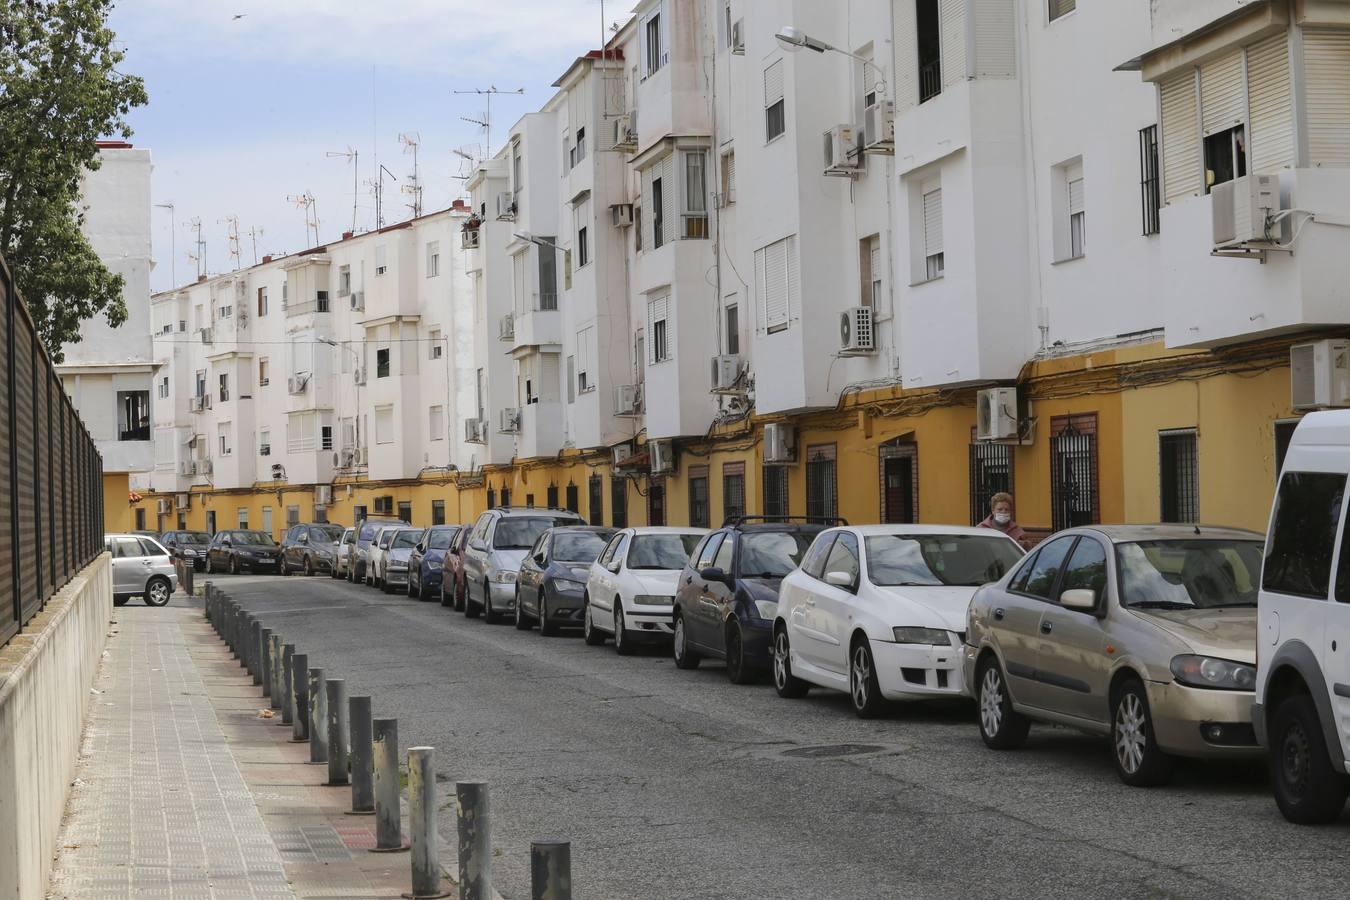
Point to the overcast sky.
(243, 110)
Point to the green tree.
(60, 92)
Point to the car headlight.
(766, 609)
(324, 552)
(188, 551)
(932, 636)
(568, 585)
(1208, 672)
(653, 600)
(504, 576)
(398, 567)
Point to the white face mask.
(1002, 518)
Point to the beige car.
(1145, 633)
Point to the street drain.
(832, 751)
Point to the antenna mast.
(305, 201)
(413, 186)
(232, 237)
(195, 223)
(377, 188)
(353, 156)
(485, 123)
(253, 233)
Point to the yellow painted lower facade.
(898, 455)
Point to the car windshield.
(252, 537)
(407, 539)
(349, 536)
(895, 560)
(331, 533)
(772, 554)
(580, 546)
(193, 537)
(440, 540)
(1189, 574)
(387, 538)
(662, 551)
(368, 528)
(519, 533)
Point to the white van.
(1302, 709)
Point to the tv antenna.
(413, 186)
(173, 251)
(253, 233)
(353, 156)
(468, 155)
(377, 188)
(305, 201)
(232, 237)
(195, 223)
(485, 123)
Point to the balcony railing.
(930, 80)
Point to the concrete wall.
(45, 676)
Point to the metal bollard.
(475, 841)
(426, 871)
(185, 581)
(300, 694)
(265, 660)
(318, 718)
(550, 869)
(388, 817)
(287, 688)
(274, 666)
(337, 733)
(246, 650)
(254, 650)
(363, 751)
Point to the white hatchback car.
(630, 592)
(879, 611)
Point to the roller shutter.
(1326, 61)
(1270, 105)
(1180, 137)
(1222, 104)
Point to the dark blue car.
(428, 559)
(728, 592)
(551, 586)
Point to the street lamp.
(173, 253)
(793, 39)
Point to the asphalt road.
(678, 784)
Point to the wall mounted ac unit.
(780, 443)
(996, 414)
(622, 214)
(510, 420)
(625, 131)
(208, 336)
(726, 373)
(204, 467)
(296, 384)
(323, 494)
(857, 332)
(468, 239)
(183, 501)
(840, 146)
(1240, 209)
(475, 431)
(362, 456)
(879, 126)
(628, 400)
(359, 375)
(1319, 374)
(738, 37)
(358, 301)
(506, 327)
(342, 458)
(620, 454)
(506, 205)
(162, 507)
(187, 468)
(662, 456)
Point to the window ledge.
(927, 281)
(1068, 259)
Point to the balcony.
(319, 304)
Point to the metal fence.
(51, 475)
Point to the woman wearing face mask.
(1000, 517)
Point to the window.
(596, 500)
(775, 109)
(491, 502)
(243, 517)
(658, 205)
(1302, 536)
(1086, 570)
(991, 472)
(325, 437)
(579, 150)
(265, 443)
(927, 23)
(726, 553)
(301, 428)
(618, 501)
(133, 414)
(382, 363)
(262, 301)
(698, 496)
(775, 491)
(585, 351)
(1069, 216)
(694, 215)
(381, 259)
(182, 325)
(405, 510)
(733, 328)
(573, 502)
(321, 301)
(226, 312)
(292, 516)
(935, 261)
(1073, 471)
(200, 383)
(654, 42)
(437, 512)
(436, 344)
(437, 424)
(224, 386)
(548, 275)
(344, 281)
(844, 557)
(285, 291)
(267, 519)
(551, 497)
(1061, 7)
(822, 495)
(728, 177)
(384, 424)
(733, 489)
(433, 258)
(1284, 433)
(583, 247)
(708, 552)
(1178, 482)
(870, 270)
(264, 372)
(1150, 184)
(164, 388)
(662, 344)
(1038, 577)
(776, 282)
(223, 436)
(813, 563)
(1225, 156)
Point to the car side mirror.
(304, 539)
(420, 549)
(539, 560)
(840, 580)
(713, 573)
(1079, 598)
(477, 545)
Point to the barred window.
(1178, 475)
(1073, 471)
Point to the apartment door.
(899, 483)
(656, 504)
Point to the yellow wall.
(117, 510)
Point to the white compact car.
(879, 611)
(630, 592)
(379, 547)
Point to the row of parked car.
(1146, 634)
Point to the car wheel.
(157, 592)
(522, 623)
(1307, 789)
(234, 565)
(444, 600)
(784, 682)
(119, 600)
(1139, 760)
(685, 658)
(737, 671)
(863, 688)
(309, 566)
(208, 565)
(461, 594)
(385, 586)
(623, 644)
(1001, 726)
(489, 616)
(546, 627)
(415, 592)
(593, 636)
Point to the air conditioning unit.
(1319, 374)
(628, 400)
(323, 494)
(358, 300)
(359, 375)
(738, 37)
(726, 372)
(241, 320)
(506, 327)
(620, 454)
(208, 336)
(468, 239)
(163, 507)
(780, 443)
(475, 431)
(879, 126)
(183, 501)
(361, 457)
(625, 131)
(841, 158)
(662, 456)
(204, 467)
(622, 214)
(506, 205)
(1241, 208)
(197, 404)
(187, 468)
(296, 384)
(857, 334)
(510, 420)
(996, 414)
(342, 459)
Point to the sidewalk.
(184, 792)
